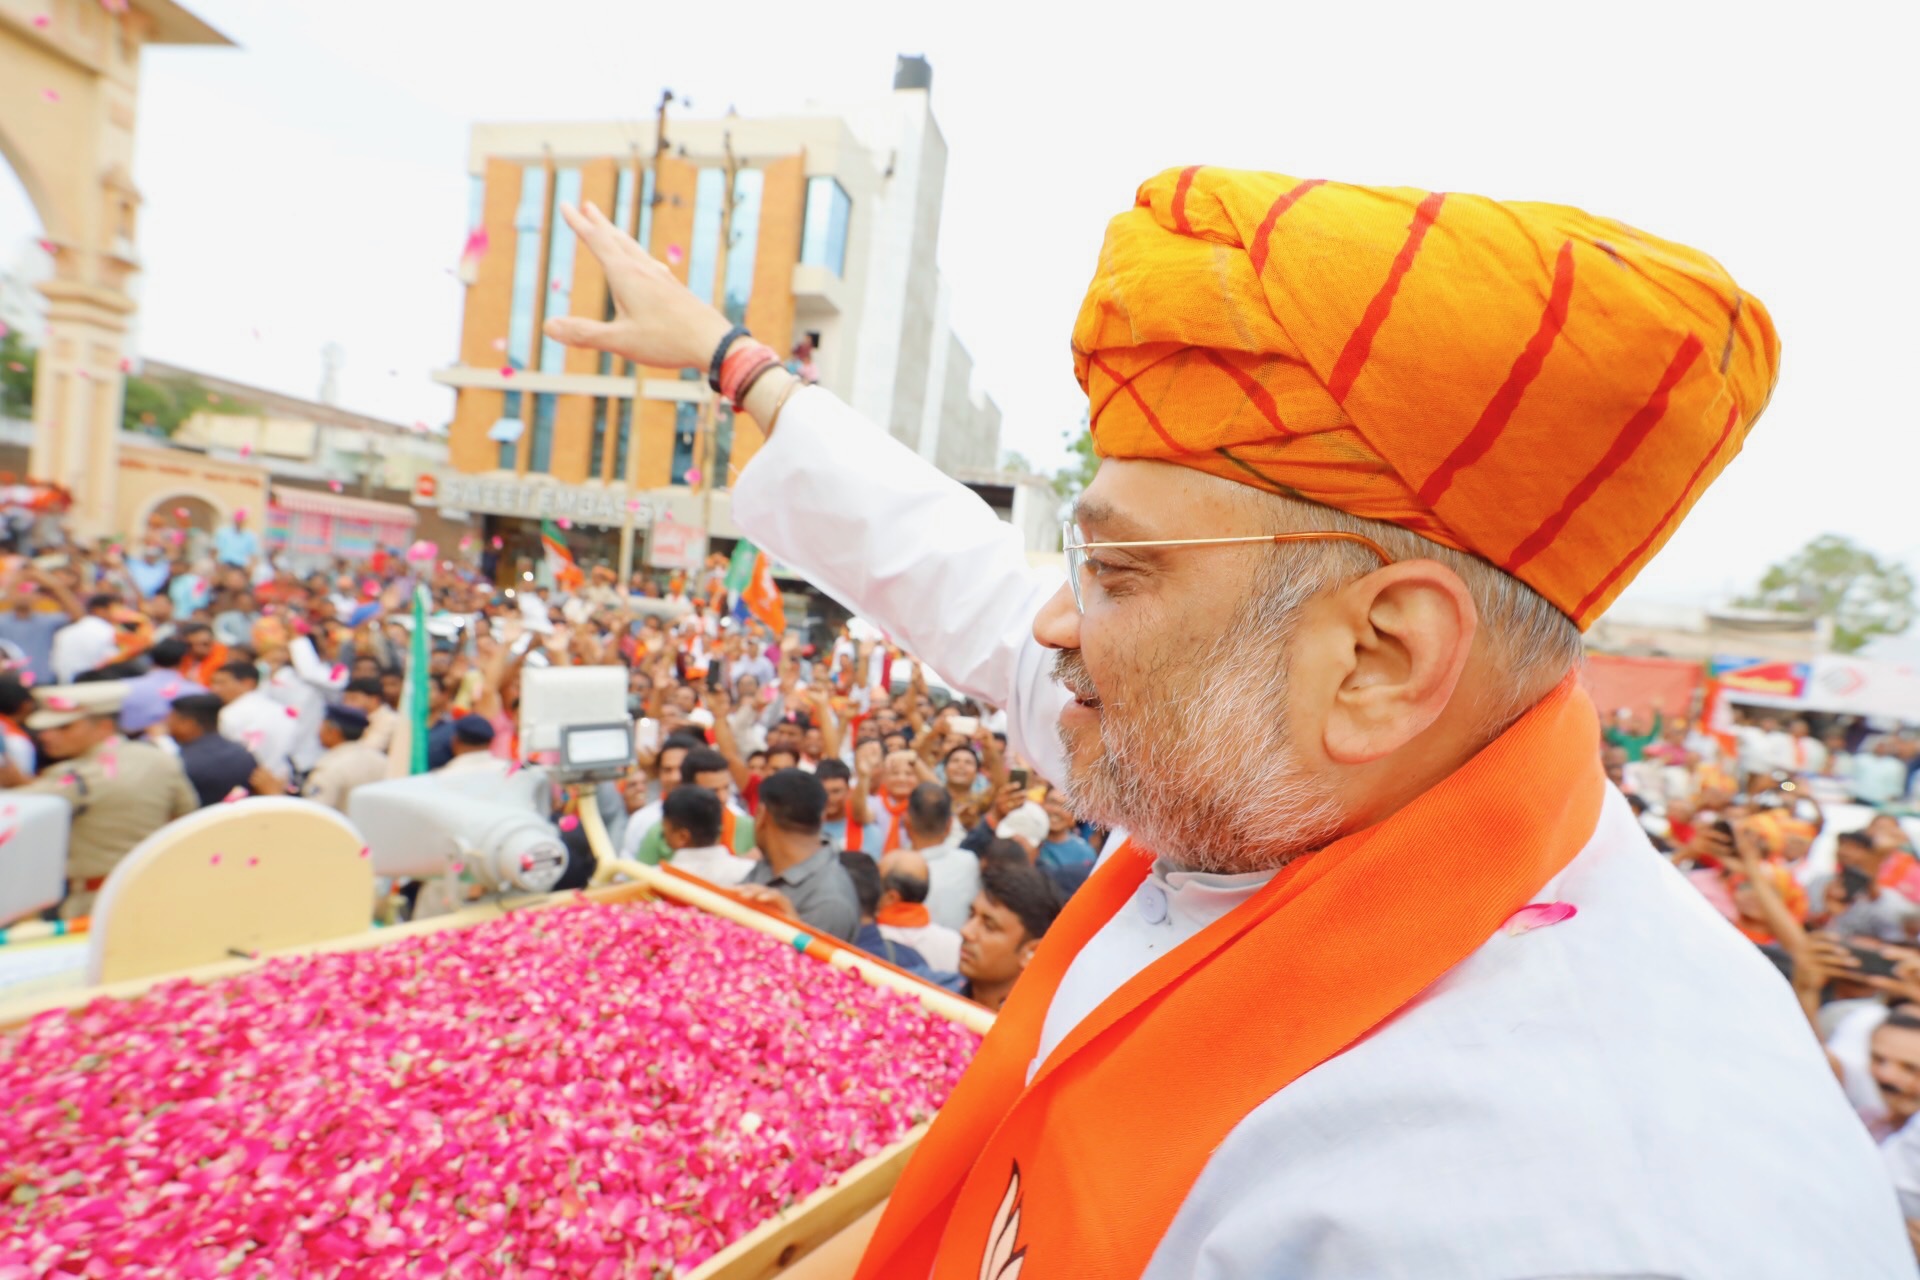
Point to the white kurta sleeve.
(906, 546)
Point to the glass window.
(743, 242)
(510, 449)
(566, 188)
(476, 202)
(620, 441)
(526, 264)
(599, 438)
(704, 254)
(823, 236)
(540, 457)
(686, 425)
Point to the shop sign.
(672, 545)
(537, 500)
(1768, 679)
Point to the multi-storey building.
(835, 221)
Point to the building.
(69, 104)
(834, 227)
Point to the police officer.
(121, 791)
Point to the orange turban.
(1545, 389)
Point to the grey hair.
(1531, 640)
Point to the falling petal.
(498, 542)
(570, 822)
(335, 485)
(253, 862)
(633, 504)
(126, 364)
(42, 21)
(214, 861)
(364, 851)
(564, 523)
(673, 254)
(59, 702)
(506, 371)
(338, 673)
(693, 477)
(26, 679)
(293, 713)
(47, 246)
(245, 449)
(180, 513)
(51, 95)
(234, 796)
(499, 344)
(1538, 915)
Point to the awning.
(329, 504)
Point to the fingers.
(578, 331)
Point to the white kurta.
(1630, 1093)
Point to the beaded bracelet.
(720, 352)
(744, 361)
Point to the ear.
(1405, 633)
(1026, 951)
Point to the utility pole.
(706, 438)
(639, 373)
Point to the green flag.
(740, 568)
(417, 676)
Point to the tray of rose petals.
(602, 1085)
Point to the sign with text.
(536, 499)
(676, 546)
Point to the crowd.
(143, 683)
(1746, 810)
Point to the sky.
(310, 186)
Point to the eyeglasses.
(1076, 549)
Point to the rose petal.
(1538, 915)
(569, 822)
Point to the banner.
(1768, 679)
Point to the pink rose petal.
(47, 246)
(214, 861)
(110, 766)
(126, 364)
(60, 702)
(673, 254)
(50, 95)
(338, 673)
(570, 822)
(364, 851)
(234, 796)
(1538, 915)
(506, 371)
(293, 713)
(693, 476)
(42, 21)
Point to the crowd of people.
(838, 787)
(1739, 810)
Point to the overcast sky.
(310, 186)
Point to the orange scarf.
(904, 915)
(1072, 1169)
(896, 823)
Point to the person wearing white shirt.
(690, 819)
(902, 914)
(307, 684)
(473, 749)
(87, 643)
(254, 720)
(1200, 1074)
(953, 873)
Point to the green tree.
(16, 377)
(1830, 577)
(157, 406)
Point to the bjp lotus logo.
(1005, 1255)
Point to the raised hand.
(657, 320)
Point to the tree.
(16, 377)
(1830, 577)
(157, 406)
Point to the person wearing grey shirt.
(796, 862)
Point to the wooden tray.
(779, 1241)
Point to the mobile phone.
(1872, 963)
(1018, 777)
(716, 675)
(1854, 882)
(965, 726)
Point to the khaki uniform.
(380, 726)
(342, 769)
(121, 793)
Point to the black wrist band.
(720, 353)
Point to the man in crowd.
(690, 823)
(953, 874)
(205, 654)
(1880, 775)
(215, 765)
(151, 696)
(899, 775)
(1010, 914)
(799, 872)
(252, 719)
(89, 642)
(346, 761)
(364, 694)
(1371, 460)
(704, 767)
(865, 878)
(470, 748)
(121, 792)
(235, 544)
(29, 628)
(644, 813)
(902, 911)
(1064, 849)
(843, 805)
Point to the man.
(235, 544)
(205, 655)
(844, 805)
(1005, 800)
(1064, 848)
(643, 813)
(902, 911)
(1371, 459)
(28, 628)
(470, 748)
(252, 719)
(215, 765)
(150, 697)
(704, 767)
(364, 694)
(121, 791)
(16, 745)
(690, 824)
(89, 642)
(953, 874)
(346, 761)
(801, 870)
(1879, 775)
(441, 717)
(1012, 912)
(899, 775)
(865, 878)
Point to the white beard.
(1202, 772)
